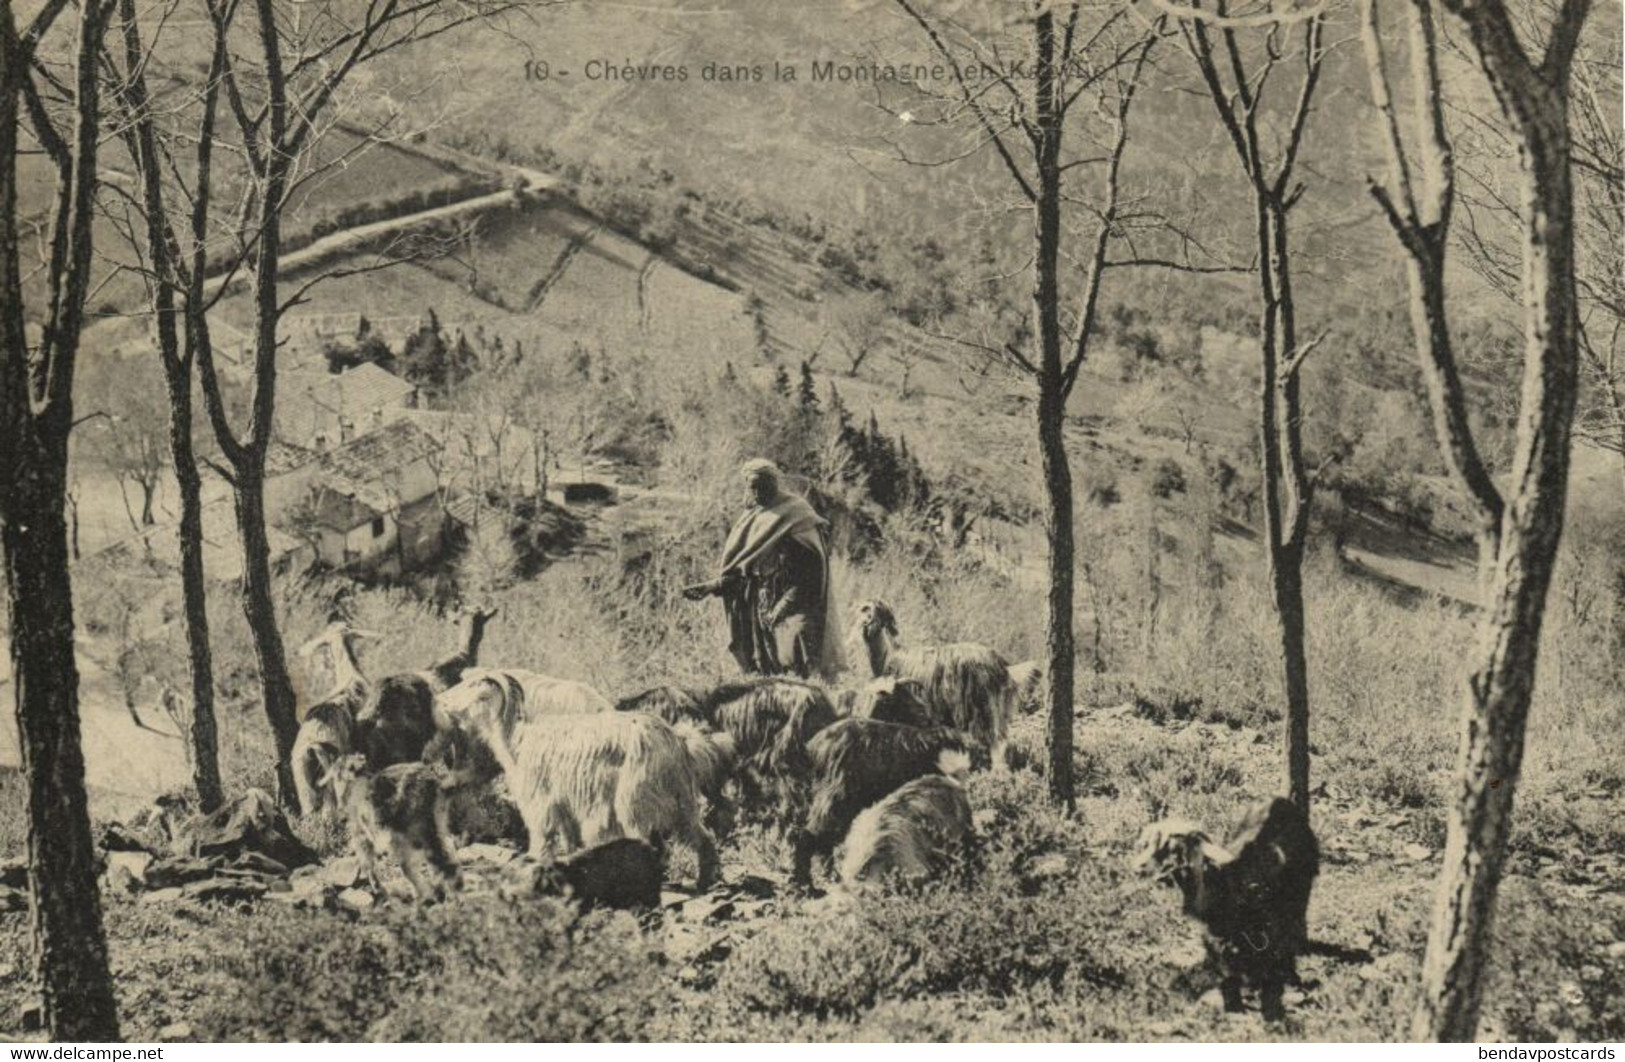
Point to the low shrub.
(1168, 478)
(1015, 927)
(478, 969)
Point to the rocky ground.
(1561, 956)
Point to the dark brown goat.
(771, 721)
(401, 809)
(398, 720)
(624, 874)
(1251, 894)
(895, 700)
(859, 762)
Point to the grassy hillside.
(1055, 938)
(822, 150)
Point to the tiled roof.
(466, 431)
(352, 486)
(395, 445)
(350, 395)
(462, 508)
(282, 456)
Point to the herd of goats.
(877, 773)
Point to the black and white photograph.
(885, 521)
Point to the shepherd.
(774, 582)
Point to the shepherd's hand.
(699, 592)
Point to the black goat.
(771, 721)
(1251, 894)
(895, 700)
(398, 720)
(624, 874)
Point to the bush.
(1168, 478)
(1015, 928)
(993, 940)
(478, 969)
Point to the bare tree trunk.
(1282, 555)
(1237, 96)
(71, 953)
(1058, 514)
(247, 455)
(1151, 614)
(203, 742)
(124, 499)
(202, 747)
(1097, 659)
(1286, 516)
(73, 524)
(1058, 641)
(1036, 130)
(1286, 591)
(1519, 534)
(1615, 441)
(259, 609)
(1502, 679)
(36, 417)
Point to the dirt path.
(356, 239)
(125, 765)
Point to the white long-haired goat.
(582, 779)
(967, 686)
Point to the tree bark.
(1521, 533)
(73, 525)
(271, 158)
(1285, 485)
(1286, 592)
(70, 951)
(259, 609)
(1059, 645)
(247, 457)
(1058, 514)
(36, 418)
(203, 743)
(1282, 475)
(1502, 678)
(1287, 518)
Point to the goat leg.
(412, 864)
(802, 844)
(1230, 989)
(705, 850)
(1269, 1000)
(367, 855)
(721, 816)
